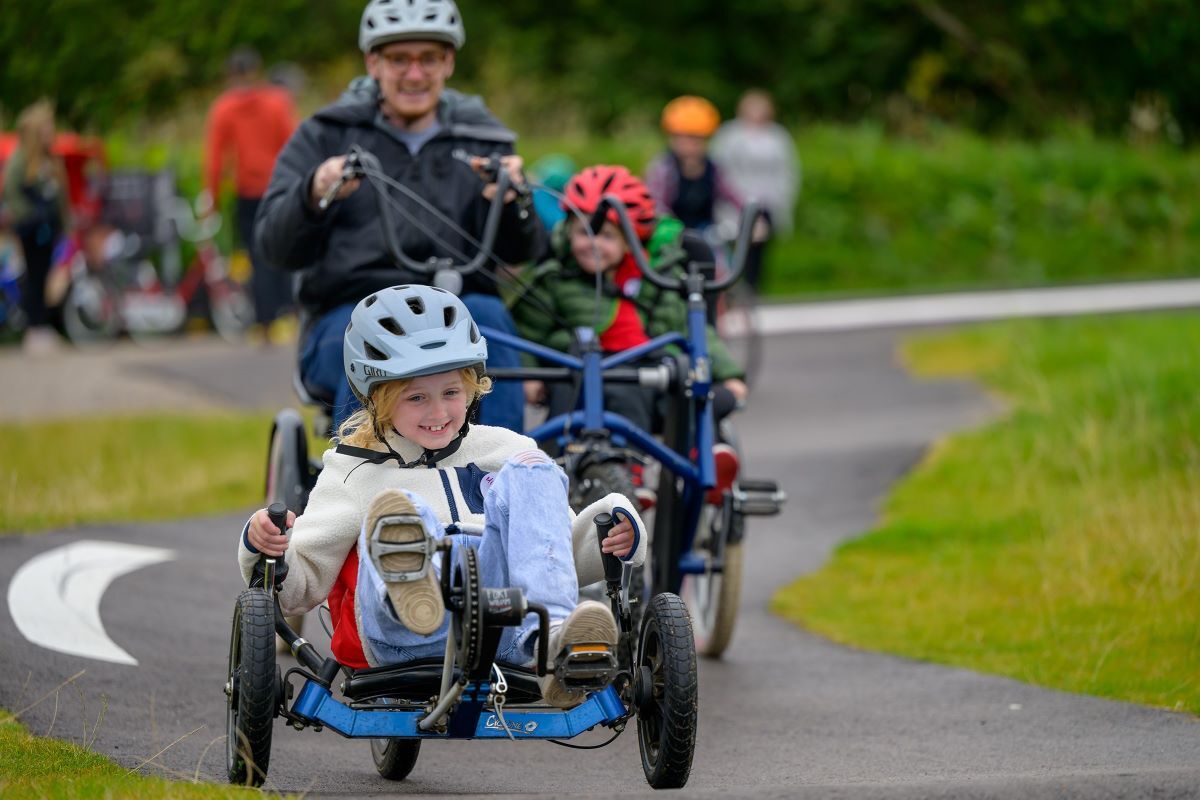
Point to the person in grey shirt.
(759, 160)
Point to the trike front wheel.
(667, 692)
(251, 693)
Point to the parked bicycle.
(117, 288)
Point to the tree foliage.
(1020, 66)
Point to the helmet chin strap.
(428, 458)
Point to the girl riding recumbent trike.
(414, 357)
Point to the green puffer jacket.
(560, 285)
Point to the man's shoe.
(402, 551)
(726, 461)
(591, 623)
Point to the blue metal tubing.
(633, 353)
(615, 423)
(316, 705)
(532, 348)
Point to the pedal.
(587, 666)
(758, 498)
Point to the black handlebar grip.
(612, 565)
(277, 512)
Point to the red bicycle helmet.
(586, 188)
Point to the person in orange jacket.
(249, 124)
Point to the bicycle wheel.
(596, 481)
(231, 308)
(740, 329)
(251, 692)
(287, 465)
(395, 758)
(714, 597)
(668, 693)
(90, 311)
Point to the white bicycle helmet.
(406, 332)
(385, 21)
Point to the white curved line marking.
(54, 598)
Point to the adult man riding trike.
(416, 513)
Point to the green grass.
(127, 468)
(33, 767)
(131, 468)
(1059, 546)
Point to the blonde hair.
(31, 123)
(368, 426)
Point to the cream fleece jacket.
(329, 527)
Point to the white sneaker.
(590, 623)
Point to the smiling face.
(411, 77)
(431, 409)
(607, 253)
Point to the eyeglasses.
(428, 61)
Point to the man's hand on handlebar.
(327, 176)
(265, 537)
(513, 165)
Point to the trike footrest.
(758, 498)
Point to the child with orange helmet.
(684, 180)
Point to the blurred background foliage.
(944, 144)
(1020, 66)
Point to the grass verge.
(131, 468)
(32, 767)
(1059, 546)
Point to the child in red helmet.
(560, 295)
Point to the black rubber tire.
(666, 720)
(595, 481)
(252, 696)
(90, 311)
(287, 465)
(395, 758)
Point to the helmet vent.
(373, 352)
(391, 326)
(450, 314)
(370, 301)
(432, 345)
(474, 333)
(415, 304)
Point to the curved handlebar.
(750, 213)
(362, 163)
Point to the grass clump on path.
(32, 767)
(129, 468)
(1059, 546)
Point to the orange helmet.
(690, 116)
(587, 188)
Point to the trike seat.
(422, 679)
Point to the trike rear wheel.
(668, 693)
(395, 758)
(251, 692)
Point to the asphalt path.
(784, 714)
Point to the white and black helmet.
(406, 332)
(385, 21)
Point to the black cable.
(606, 743)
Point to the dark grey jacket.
(341, 250)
